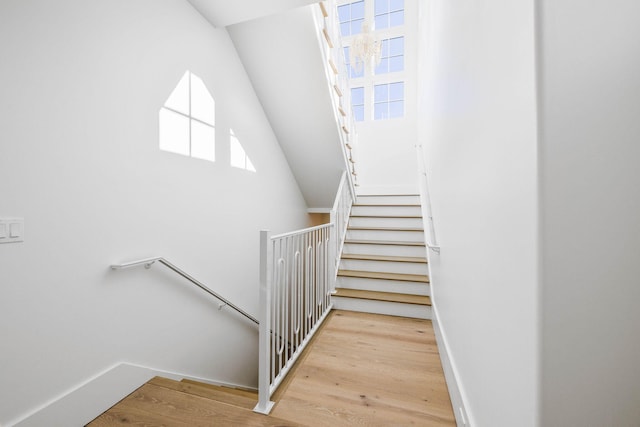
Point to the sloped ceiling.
(282, 56)
(222, 13)
(277, 42)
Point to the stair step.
(383, 234)
(384, 249)
(385, 258)
(383, 285)
(384, 216)
(384, 266)
(387, 276)
(388, 198)
(383, 296)
(400, 211)
(362, 204)
(154, 404)
(382, 242)
(249, 394)
(218, 393)
(385, 221)
(367, 228)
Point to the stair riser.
(386, 235)
(382, 307)
(389, 250)
(381, 285)
(389, 200)
(384, 266)
(386, 210)
(385, 222)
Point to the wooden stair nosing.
(220, 394)
(367, 228)
(179, 408)
(383, 296)
(419, 278)
(389, 195)
(392, 205)
(383, 242)
(249, 394)
(386, 216)
(385, 258)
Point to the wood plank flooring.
(162, 402)
(369, 369)
(360, 369)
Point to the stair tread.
(364, 227)
(220, 394)
(237, 391)
(420, 260)
(383, 296)
(383, 242)
(385, 216)
(153, 404)
(388, 205)
(422, 278)
(389, 195)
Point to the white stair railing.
(345, 199)
(330, 40)
(296, 279)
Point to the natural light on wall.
(239, 158)
(187, 120)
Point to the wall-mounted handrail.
(148, 262)
(425, 197)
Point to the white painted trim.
(460, 408)
(83, 403)
(319, 210)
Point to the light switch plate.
(11, 230)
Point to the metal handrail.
(148, 262)
(432, 241)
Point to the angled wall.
(81, 85)
(590, 210)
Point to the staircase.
(165, 402)
(383, 267)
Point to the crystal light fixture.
(365, 49)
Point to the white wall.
(81, 84)
(386, 155)
(590, 210)
(478, 127)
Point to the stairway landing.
(369, 370)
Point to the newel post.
(264, 405)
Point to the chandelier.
(365, 49)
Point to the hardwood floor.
(369, 369)
(360, 369)
(163, 402)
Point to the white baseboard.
(450, 373)
(85, 402)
